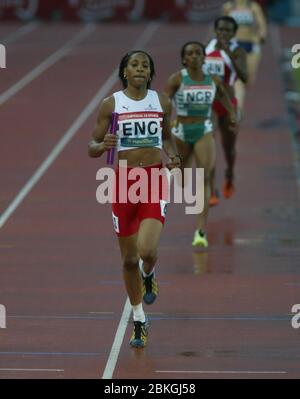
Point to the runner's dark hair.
(124, 63)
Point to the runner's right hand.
(174, 162)
(110, 141)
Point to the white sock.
(141, 265)
(138, 313)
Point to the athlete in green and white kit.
(194, 92)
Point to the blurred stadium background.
(283, 11)
(56, 245)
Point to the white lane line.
(24, 30)
(46, 64)
(88, 110)
(146, 35)
(83, 116)
(63, 317)
(101, 312)
(43, 370)
(116, 346)
(218, 372)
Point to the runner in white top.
(251, 34)
(140, 122)
(144, 129)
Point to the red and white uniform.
(217, 62)
(140, 122)
(139, 126)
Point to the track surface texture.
(221, 313)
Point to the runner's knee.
(148, 254)
(130, 262)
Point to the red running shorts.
(140, 193)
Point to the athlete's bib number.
(198, 96)
(215, 66)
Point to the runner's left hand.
(233, 118)
(174, 162)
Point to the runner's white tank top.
(140, 122)
(243, 16)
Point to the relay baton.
(113, 130)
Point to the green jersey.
(195, 98)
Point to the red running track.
(224, 313)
